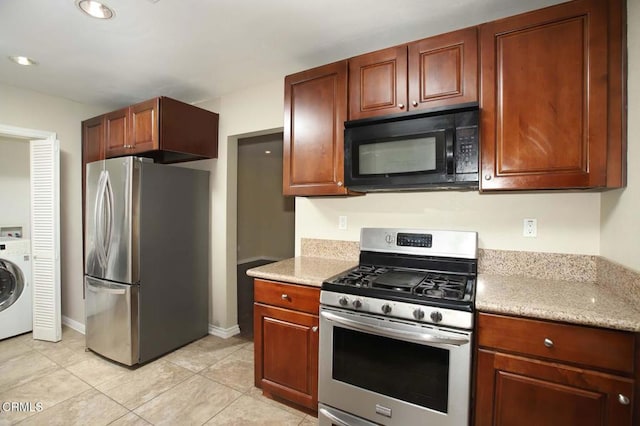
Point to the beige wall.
(265, 217)
(32, 110)
(251, 112)
(567, 222)
(621, 208)
(15, 202)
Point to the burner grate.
(416, 283)
(442, 286)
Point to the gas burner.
(412, 282)
(442, 287)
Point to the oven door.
(393, 372)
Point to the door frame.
(29, 135)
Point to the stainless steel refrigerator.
(146, 258)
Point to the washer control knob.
(436, 316)
(357, 303)
(343, 301)
(386, 308)
(418, 314)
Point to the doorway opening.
(15, 187)
(266, 218)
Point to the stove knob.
(436, 316)
(357, 303)
(418, 314)
(386, 308)
(343, 301)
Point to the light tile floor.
(209, 381)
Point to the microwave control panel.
(466, 149)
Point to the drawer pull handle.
(284, 296)
(315, 330)
(548, 343)
(624, 400)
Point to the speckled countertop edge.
(567, 301)
(306, 270)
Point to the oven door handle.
(393, 333)
(334, 419)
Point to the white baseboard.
(77, 326)
(214, 330)
(225, 333)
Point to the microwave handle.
(449, 155)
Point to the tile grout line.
(236, 353)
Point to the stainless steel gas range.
(396, 331)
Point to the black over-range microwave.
(431, 150)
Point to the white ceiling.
(195, 50)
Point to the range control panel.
(414, 240)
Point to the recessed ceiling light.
(267, 152)
(95, 9)
(23, 60)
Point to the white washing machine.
(16, 289)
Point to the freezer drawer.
(112, 320)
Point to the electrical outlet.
(342, 222)
(530, 228)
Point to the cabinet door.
(143, 126)
(286, 354)
(93, 139)
(314, 113)
(512, 390)
(116, 128)
(544, 98)
(443, 70)
(378, 83)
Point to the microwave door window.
(416, 155)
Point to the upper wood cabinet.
(315, 109)
(116, 136)
(429, 73)
(93, 139)
(167, 130)
(552, 109)
(134, 129)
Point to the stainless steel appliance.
(146, 258)
(396, 331)
(428, 150)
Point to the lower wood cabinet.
(286, 341)
(533, 372)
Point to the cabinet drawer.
(292, 296)
(606, 349)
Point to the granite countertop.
(576, 302)
(568, 301)
(305, 270)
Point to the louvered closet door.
(45, 239)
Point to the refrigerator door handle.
(98, 221)
(95, 289)
(108, 194)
